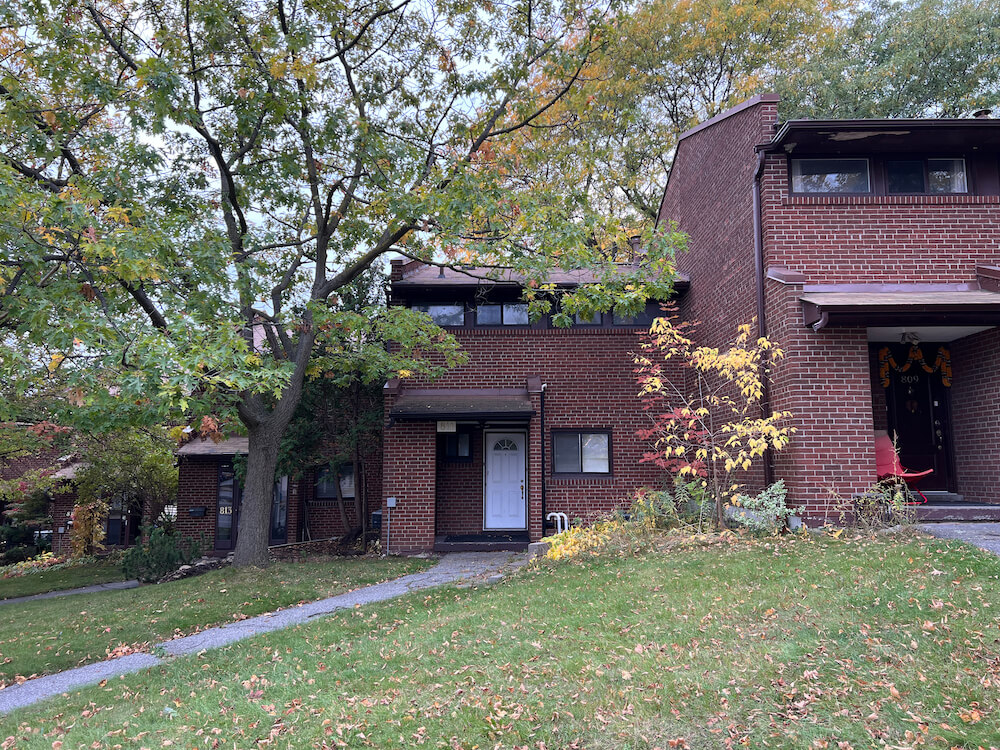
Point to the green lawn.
(867, 643)
(50, 635)
(101, 571)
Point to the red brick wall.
(589, 385)
(975, 403)
(710, 196)
(62, 509)
(825, 381)
(409, 476)
(198, 486)
(460, 492)
(877, 239)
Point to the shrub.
(764, 513)
(87, 534)
(578, 540)
(162, 553)
(888, 503)
(17, 554)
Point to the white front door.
(506, 498)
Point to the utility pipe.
(758, 261)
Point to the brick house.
(870, 250)
(303, 508)
(540, 420)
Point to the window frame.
(791, 175)
(925, 162)
(580, 433)
(321, 473)
(503, 315)
(420, 307)
(442, 446)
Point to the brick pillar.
(825, 381)
(409, 474)
(534, 468)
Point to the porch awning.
(414, 407)
(905, 306)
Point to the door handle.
(522, 490)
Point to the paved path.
(113, 586)
(451, 568)
(984, 535)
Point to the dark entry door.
(918, 405)
(227, 513)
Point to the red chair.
(888, 466)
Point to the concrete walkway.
(984, 535)
(113, 586)
(451, 568)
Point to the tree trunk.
(258, 494)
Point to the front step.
(485, 542)
(932, 511)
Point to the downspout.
(541, 416)
(758, 259)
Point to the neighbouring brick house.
(304, 508)
(870, 251)
(539, 420)
(122, 526)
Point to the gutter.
(541, 415)
(758, 260)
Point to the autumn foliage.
(707, 421)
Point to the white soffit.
(940, 334)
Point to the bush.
(162, 553)
(15, 535)
(765, 513)
(577, 540)
(888, 503)
(17, 554)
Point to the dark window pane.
(279, 511)
(114, 535)
(644, 318)
(595, 320)
(515, 315)
(488, 315)
(947, 176)
(905, 176)
(327, 490)
(830, 176)
(226, 506)
(566, 453)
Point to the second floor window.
(926, 176)
(830, 176)
(444, 315)
(505, 315)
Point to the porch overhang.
(506, 405)
(902, 304)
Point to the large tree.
(915, 58)
(670, 65)
(187, 185)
